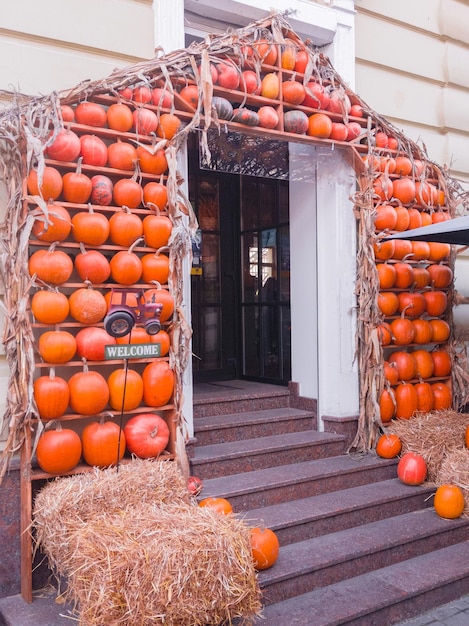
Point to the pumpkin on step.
(264, 547)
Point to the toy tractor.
(129, 307)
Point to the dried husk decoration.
(137, 550)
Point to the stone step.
(265, 487)
(382, 597)
(236, 397)
(321, 514)
(232, 457)
(215, 429)
(321, 561)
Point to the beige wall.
(412, 66)
(55, 44)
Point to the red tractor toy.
(124, 312)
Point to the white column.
(169, 24)
(336, 267)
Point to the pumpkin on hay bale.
(454, 470)
(432, 435)
(136, 549)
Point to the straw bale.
(432, 435)
(135, 549)
(454, 470)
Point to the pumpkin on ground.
(220, 505)
(264, 547)
(412, 469)
(449, 501)
(388, 446)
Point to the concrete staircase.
(357, 546)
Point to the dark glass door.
(214, 277)
(265, 289)
(240, 277)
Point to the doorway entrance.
(240, 278)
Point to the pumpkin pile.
(415, 285)
(99, 224)
(136, 549)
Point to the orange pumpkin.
(155, 195)
(52, 266)
(57, 346)
(404, 275)
(293, 92)
(164, 340)
(319, 125)
(125, 227)
(51, 394)
(386, 217)
(58, 451)
(103, 443)
(125, 389)
(152, 163)
(438, 251)
(386, 275)
(220, 505)
(425, 397)
(406, 401)
(157, 230)
(388, 446)
(55, 226)
(391, 373)
(449, 501)
(384, 250)
(442, 396)
(436, 302)
(87, 305)
(90, 227)
(421, 277)
(165, 298)
(404, 190)
(49, 306)
(91, 114)
(169, 124)
(441, 330)
(89, 393)
(92, 266)
(264, 547)
(422, 331)
(155, 267)
(441, 363)
(441, 275)
(387, 405)
(405, 363)
(119, 117)
(126, 266)
(403, 331)
(158, 383)
(49, 187)
(128, 192)
(424, 362)
(388, 303)
(466, 436)
(77, 187)
(122, 155)
(403, 217)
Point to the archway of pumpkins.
(100, 203)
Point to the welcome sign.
(132, 351)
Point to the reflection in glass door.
(265, 293)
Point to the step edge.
(396, 542)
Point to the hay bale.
(433, 435)
(135, 549)
(454, 470)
